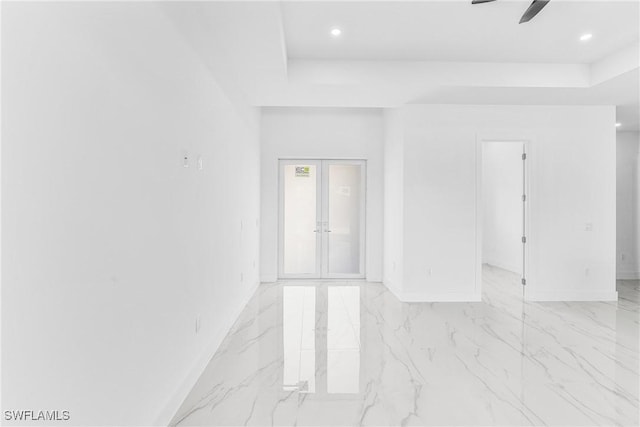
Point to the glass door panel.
(299, 219)
(344, 219)
(322, 218)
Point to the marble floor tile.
(349, 353)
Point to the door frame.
(322, 206)
(529, 143)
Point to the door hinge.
(524, 197)
(524, 281)
(524, 239)
(524, 156)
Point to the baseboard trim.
(408, 296)
(391, 287)
(571, 296)
(628, 275)
(443, 297)
(511, 268)
(175, 401)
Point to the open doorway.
(504, 218)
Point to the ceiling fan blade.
(533, 10)
(481, 1)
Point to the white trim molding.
(268, 279)
(577, 295)
(172, 406)
(422, 296)
(628, 275)
(395, 290)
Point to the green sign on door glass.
(302, 171)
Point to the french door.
(322, 219)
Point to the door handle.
(316, 231)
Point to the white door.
(322, 219)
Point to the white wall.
(638, 209)
(393, 199)
(502, 205)
(627, 242)
(572, 167)
(319, 133)
(111, 248)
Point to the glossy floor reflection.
(327, 353)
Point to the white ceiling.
(445, 52)
(621, 90)
(456, 30)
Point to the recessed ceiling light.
(585, 37)
(335, 32)
(618, 125)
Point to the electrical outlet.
(588, 226)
